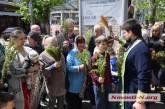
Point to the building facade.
(59, 13)
(8, 16)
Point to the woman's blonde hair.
(156, 27)
(15, 34)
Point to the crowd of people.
(65, 69)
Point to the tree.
(155, 9)
(24, 10)
(40, 10)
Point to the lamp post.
(80, 17)
(31, 12)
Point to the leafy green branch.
(10, 53)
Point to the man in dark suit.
(136, 70)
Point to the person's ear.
(130, 33)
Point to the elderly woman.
(98, 31)
(76, 73)
(54, 70)
(92, 47)
(19, 71)
(66, 39)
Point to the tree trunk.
(45, 25)
(153, 11)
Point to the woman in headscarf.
(53, 67)
(77, 73)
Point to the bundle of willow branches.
(160, 57)
(120, 57)
(84, 57)
(10, 53)
(55, 52)
(100, 69)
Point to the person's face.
(102, 47)
(127, 35)
(10, 105)
(156, 33)
(47, 43)
(32, 42)
(71, 27)
(81, 46)
(98, 32)
(20, 40)
(50, 42)
(110, 44)
(37, 29)
(76, 32)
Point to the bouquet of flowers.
(55, 52)
(10, 53)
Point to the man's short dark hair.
(5, 97)
(134, 26)
(35, 36)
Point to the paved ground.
(157, 105)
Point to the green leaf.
(55, 52)
(41, 9)
(10, 53)
(150, 5)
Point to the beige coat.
(55, 80)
